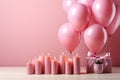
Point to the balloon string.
(95, 53)
(70, 52)
(81, 44)
(108, 45)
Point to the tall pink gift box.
(107, 62)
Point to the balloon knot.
(70, 52)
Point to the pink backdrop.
(29, 27)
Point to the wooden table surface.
(19, 73)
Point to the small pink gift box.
(107, 64)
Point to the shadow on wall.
(115, 48)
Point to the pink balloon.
(87, 3)
(67, 4)
(113, 13)
(91, 19)
(95, 37)
(102, 10)
(78, 16)
(115, 23)
(68, 37)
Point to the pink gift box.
(107, 62)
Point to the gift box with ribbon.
(106, 59)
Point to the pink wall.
(29, 27)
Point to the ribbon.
(105, 57)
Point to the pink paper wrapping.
(107, 62)
(107, 65)
(90, 63)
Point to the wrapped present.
(107, 63)
(90, 64)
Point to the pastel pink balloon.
(102, 10)
(113, 13)
(78, 16)
(92, 21)
(68, 37)
(91, 18)
(115, 23)
(87, 3)
(95, 37)
(67, 4)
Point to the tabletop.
(19, 73)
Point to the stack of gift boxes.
(46, 64)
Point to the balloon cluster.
(96, 19)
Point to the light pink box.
(107, 62)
